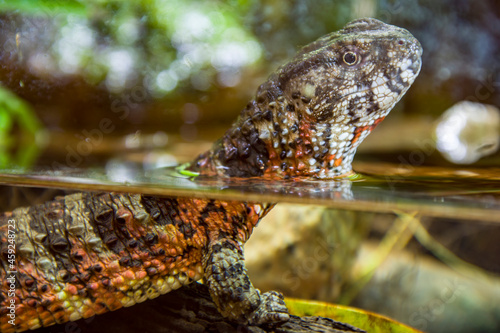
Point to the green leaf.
(369, 321)
(181, 169)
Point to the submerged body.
(86, 254)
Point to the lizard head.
(309, 117)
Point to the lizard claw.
(272, 309)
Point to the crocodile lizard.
(88, 253)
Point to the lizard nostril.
(401, 42)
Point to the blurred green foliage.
(158, 44)
(18, 128)
(42, 7)
(83, 59)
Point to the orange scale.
(174, 240)
(50, 299)
(117, 281)
(21, 308)
(191, 274)
(32, 303)
(123, 213)
(144, 256)
(93, 286)
(161, 267)
(72, 289)
(129, 275)
(171, 266)
(73, 271)
(42, 314)
(54, 307)
(88, 313)
(34, 294)
(22, 321)
(114, 305)
(301, 166)
(195, 238)
(46, 318)
(113, 266)
(60, 317)
(99, 308)
(139, 275)
(163, 238)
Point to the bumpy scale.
(87, 254)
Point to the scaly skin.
(310, 116)
(86, 254)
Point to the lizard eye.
(350, 58)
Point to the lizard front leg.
(231, 289)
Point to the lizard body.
(86, 254)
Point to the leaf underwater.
(369, 321)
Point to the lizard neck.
(243, 151)
(272, 139)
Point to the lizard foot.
(272, 308)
